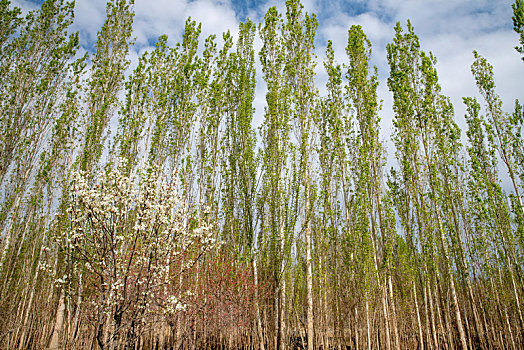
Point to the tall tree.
(278, 186)
(423, 127)
(362, 92)
(299, 35)
(36, 67)
(518, 24)
(109, 64)
(239, 163)
(503, 136)
(334, 130)
(99, 102)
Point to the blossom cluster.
(134, 237)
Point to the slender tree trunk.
(386, 317)
(56, 338)
(419, 322)
(277, 324)
(356, 328)
(28, 310)
(282, 310)
(368, 325)
(458, 316)
(257, 307)
(309, 286)
(393, 309)
(432, 309)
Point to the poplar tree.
(107, 79)
(299, 34)
(424, 129)
(503, 136)
(239, 164)
(502, 132)
(376, 224)
(32, 86)
(10, 21)
(169, 86)
(334, 130)
(134, 117)
(35, 81)
(277, 220)
(518, 24)
(491, 222)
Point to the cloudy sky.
(451, 29)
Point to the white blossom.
(129, 232)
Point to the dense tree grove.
(141, 209)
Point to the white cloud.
(155, 18)
(216, 17)
(25, 5)
(89, 18)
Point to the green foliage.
(310, 238)
(109, 64)
(518, 24)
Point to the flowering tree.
(133, 239)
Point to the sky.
(450, 29)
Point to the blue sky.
(451, 29)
